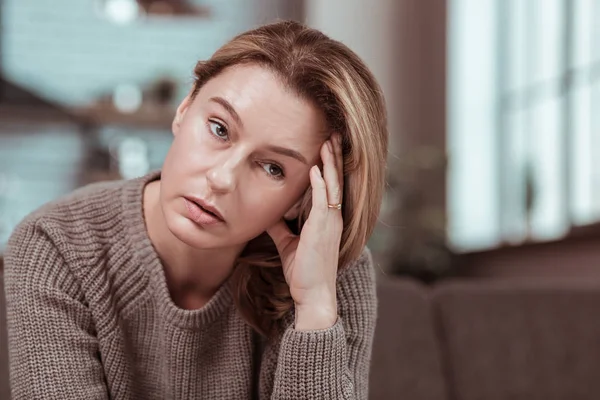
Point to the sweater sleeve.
(53, 350)
(333, 363)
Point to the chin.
(189, 233)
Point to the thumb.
(281, 235)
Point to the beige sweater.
(90, 317)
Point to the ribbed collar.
(142, 246)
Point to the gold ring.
(337, 206)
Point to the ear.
(180, 113)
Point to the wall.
(68, 52)
(577, 256)
(404, 44)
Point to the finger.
(339, 162)
(282, 235)
(330, 173)
(319, 191)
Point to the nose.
(221, 178)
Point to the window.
(524, 120)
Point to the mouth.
(202, 212)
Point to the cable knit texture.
(90, 317)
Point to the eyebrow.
(288, 152)
(229, 108)
(276, 149)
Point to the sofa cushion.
(406, 361)
(518, 340)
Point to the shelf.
(148, 116)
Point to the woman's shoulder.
(356, 290)
(70, 238)
(71, 221)
(358, 279)
(85, 201)
(82, 204)
(362, 268)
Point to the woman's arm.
(53, 350)
(333, 363)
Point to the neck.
(193, 275)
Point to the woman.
(240, 268)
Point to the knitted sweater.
(90, 317)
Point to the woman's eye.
(218, 130)
(273, 170)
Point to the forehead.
(265, 104)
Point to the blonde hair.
(332, 77)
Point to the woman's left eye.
(273, 170)
(219, 130)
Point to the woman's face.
(243, 148)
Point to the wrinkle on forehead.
(266, 105)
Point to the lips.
(201, 212)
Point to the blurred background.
(494, 117)
(490, 102)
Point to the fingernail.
(318, 172)
(330, 146)
(338, 137)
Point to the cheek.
(191, 149)
(262, 200)
(263, 206)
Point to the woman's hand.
(310, 261)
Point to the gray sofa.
(487, 339)
(474, 340)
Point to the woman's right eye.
(218, 130)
